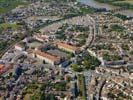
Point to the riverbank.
(95, 4)
(120, 3)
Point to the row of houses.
(68, 47)
(52, 59)
(48, 57)
(41, 38)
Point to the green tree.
(76, 68)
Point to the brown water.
(107, 6)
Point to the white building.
(41, 38)
(19, 47)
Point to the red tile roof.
(47, 55)
(2, 66)
(68, 46)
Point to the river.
(107, 6)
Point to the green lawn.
(7, 5)
(81, 86)
(117, 28)
(8, 25)
(86, 10)
(126, 1)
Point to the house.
(41, 38)
(68, 47)
(48, 58)
(20, 46)
(2, 66)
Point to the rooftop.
(65, 45)
(2, 66)
(21, 44)
(47, 55)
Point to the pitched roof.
(47, 55)
(2, 66)
(65, 45)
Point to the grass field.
(7, 5)
(7, 25)
(125, 1)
